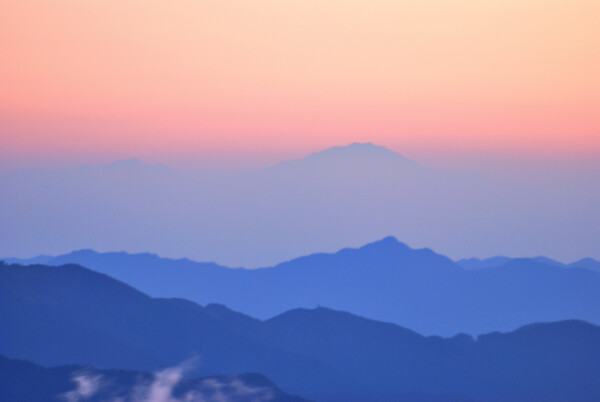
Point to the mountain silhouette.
(359, 159)
(341, 196)
(91, 319)
(586, 263)
(25, 381)
(71, 315)
(477, 263)
(385, 280)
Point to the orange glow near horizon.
(198, 78)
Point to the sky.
(268, 80)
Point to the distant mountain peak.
(352, 156)
(388, 241)
(359, 149)
(362, 145)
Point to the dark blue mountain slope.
(385, 280)
(25, 381)
(317, 353)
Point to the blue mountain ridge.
(56, 315)
(385, 280)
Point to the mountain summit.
(355, 155)
(358, 150)
(385, 280)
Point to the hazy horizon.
(373, 155)
(520, 199)
(460, 160)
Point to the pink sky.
(222, 79)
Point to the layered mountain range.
(384, 280)
(56, 315)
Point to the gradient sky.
(227, 79)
